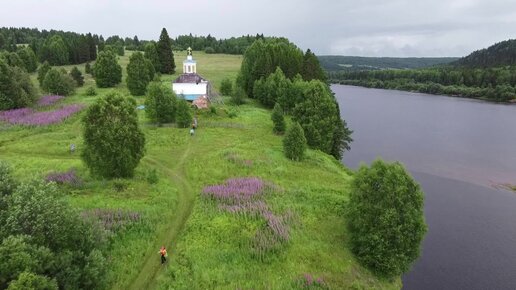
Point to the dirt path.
(146, 279)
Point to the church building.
(190, 85)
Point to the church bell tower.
(189, 65)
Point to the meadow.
(290, 234)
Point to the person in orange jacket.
(163, 253)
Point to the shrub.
(160, 104)
(232, 113)
(113, 141)
(294, 143)
(152, 177)
(385, 218)
(209, 50)
(108, 73)
(90, 91)
(226, 87)
(238, 97)
(184, 114)
(77, 76)
(278, 120)
(7, 182)
(87, 68)
(28, 280)
(58, 82)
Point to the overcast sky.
(358, 27)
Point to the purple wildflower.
(112, 219)
(49, 100)
(26, 116)
(68, 177)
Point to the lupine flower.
(26, 116)
(68, 177)
(49, 100)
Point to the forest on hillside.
(487, 74)
(358, 63)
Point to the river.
(458, 150)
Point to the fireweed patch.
(69, 177)
(49, 100)
(245, 197)
(29, 117)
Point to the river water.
(458, 150)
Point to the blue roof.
(191, 97)
(189, 61)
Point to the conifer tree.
(278, 120)
(160, 104)
(42, 71)
(166, 56)
(294, 143)
(312, 69)
(152, 54)
(77, 76)
(183, 114)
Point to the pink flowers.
(49, 100)
(69, 177)
(244, 196)
(29, 117)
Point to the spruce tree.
(166, 56)
(108, 73)
(278, 120)
(87, 68)
(77, 76)
(294, 143)
(138, 76)
(312, 69)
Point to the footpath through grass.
(208, 248)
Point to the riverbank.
(208, 247)
(431, 88)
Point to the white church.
(192, 86)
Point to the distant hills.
(335, 63)
(500, 54)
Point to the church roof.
(189, 78)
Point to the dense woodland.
(335, 63)
(485, 74)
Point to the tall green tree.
(16, 89)
(317, 114)
(113, 141)
(152, 54)
(54, 51)
(166, 56)
(58, 82)
(278, 120)
(226, 87)
(294, 143)
(42, 72)
(77, 76)
(138, 75)
(160, 104)
(29, 59)
(183, 114)
(312, 69)
(108, 73)
(385, 218)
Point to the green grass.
(207, 248)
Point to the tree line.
(496, 84)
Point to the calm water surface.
(458, 149)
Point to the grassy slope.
(211, 250)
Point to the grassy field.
(208, 249)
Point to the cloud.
(368, 27)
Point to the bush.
(278, 120)
(226, 87)
(90, 91)
(113, 141)
(385, 218)
(7, 182)
(209, 50)
(160, 104)
(87, 68)
(152, 177)
(31, 281)
(184, 114)
(58, 82)
(77, 76)
(108, 73)
(238, 97)
(294, 143)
